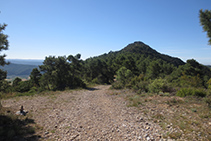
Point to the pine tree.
(205, 20)
(4, 44)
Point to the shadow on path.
(12, 128)
(92, 89)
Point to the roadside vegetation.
(180, 101)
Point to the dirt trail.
(94, 114)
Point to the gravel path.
(94, 114)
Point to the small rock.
(139, 137)
(146, 135)
(21, 112)
(74, 137)
(124, 125)
(46, 132)
(199, 134)
(148, 138)
(147, 128)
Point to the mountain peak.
(138, 42)
(141, 48)
(138, 47)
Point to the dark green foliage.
(16, 81)
(3, 75)
(208, 101)
(96, 70)
(4, 86)
(60, 73)
(4, 44)
(13, 128)
(117, 85)
(137, 57)
(158, 85)
(205, 20)
(199, 93)
(209, 84)
(138, 83)
(191, 74)
(35, 77)
(191, 92)
(139, 48)
(184, 92)
(124, 75)
(55, 72)
(23, 86)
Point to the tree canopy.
(4, 44)
(205, 20)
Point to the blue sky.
(39, 28)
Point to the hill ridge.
(140, 48)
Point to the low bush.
(199, 92)
(191, 92)
(117, 85)
(23, 86)
(208, 101)
(159, 85)
(138, 83)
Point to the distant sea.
(26, 61)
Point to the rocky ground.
(93, 114)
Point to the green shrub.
(117, 85)
(191, 92)
(158, 85)
(208, 101)
(95, 81)
(143, 86)
(209, 84)
(23, 86)
(184, 92)
(33, 90)
(124, 75)
(199, 92)
(138, 83)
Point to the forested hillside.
(137, 57)
(18, 70)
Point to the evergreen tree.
(16, 81)
(35, 76)
(205, 20)
(4, 44)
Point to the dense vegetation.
(137, 66)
